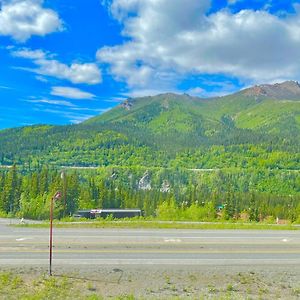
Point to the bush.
(168, 211)
(3, 214)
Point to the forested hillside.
(246, 129)
(234, 148)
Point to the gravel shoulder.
(161, 282)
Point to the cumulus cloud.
(166, 39)
(70, 92)
(21, 19)
(88, 73)
(30, 54)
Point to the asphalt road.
(29, 246)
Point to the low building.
(116, 213)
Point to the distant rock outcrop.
(165, 187)
(127, 104)
(145, 182)
(288, 90)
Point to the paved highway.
(29, 246)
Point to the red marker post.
(57, 196)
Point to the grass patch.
(40, 287)
(161, 225)
(15, 287)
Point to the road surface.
(29, 246)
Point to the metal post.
(51, 230)
(64, 178)
(55, 197)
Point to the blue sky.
(63, 61)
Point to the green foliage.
(191, 195)
(168, 210)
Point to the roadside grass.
(39, 286)
(44, 287)
(156, 224)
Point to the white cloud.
(30, 54)
(71, 116)
(88, 73)
(213, 88)
(41, 78)
(52, 102)
(166, 40)
(197, 91)
(77, 119)
(134, 61)
(94, 110)
(21, 19)
(4, 87)
(70, 92)
(115, 99)
(148, 92)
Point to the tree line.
(187, 195)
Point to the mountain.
(256, 126)
(166, 106)
(272, 113)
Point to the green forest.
(168, 194)
(173, 156)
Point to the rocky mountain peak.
(285, 90)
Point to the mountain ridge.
(156, 130)
(284, 90)
(214, 108)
